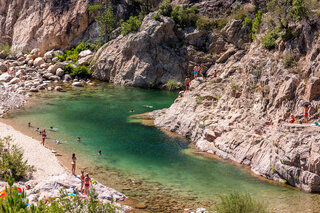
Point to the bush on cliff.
(131, 25)
(12, 164)
(72, 54)
(173, 85)
(269, 40)
(165, 8)
(239, 203)
(183, 16)
(5, 49)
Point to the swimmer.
(38, 129)
(78, 139)
(58, 141)
(99, 153)
(29, 124)
(131, 110)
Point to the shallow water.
(100, 116)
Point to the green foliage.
(239, 203)
(61, 57)
(200, 99)
(28, 52)
(132, 24)
(269, 40)
(80, 71)
(247, 22)
(204, 23)
(11, 162)
(255, 24)
(239, 13)
(5, 47)
(107, 22)
(289, 60)
(173, 85)
(157, 17)
(72, 54)
(298, 11)
(288, 34)
(220, 23)
(234, 87)
(94, 8)
(184, 17)
(165, 8)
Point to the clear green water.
(100, 117)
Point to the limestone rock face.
(142, 58)
(42, 24)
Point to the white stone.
(77, 84)
(38, 61)
(85, 53)
(60, 72)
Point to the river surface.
(145, 155)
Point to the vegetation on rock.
(12, 164)
(173, 85)
(5, 49)
(131, 25)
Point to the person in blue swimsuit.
(195, 71)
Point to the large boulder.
(38, 62)
(6, 77)
(143, 58)
(313, 90)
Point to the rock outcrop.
(243, 114)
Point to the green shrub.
(94, 8)
(298, 11)
(239, 203)
(11, 162)
(61, 57)
(132, 24)
(157, 17)
(239, 14)
(287, 35)
(165, 8)
(83, 46)
(204, 23)
(255, 25)
(184, 17)
(80, 71)
(5, 48)
(220, 23)
(71, 55)
(247, 22)
(289, 60)
(269, 40)
(173, 85)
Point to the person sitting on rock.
(292, 119)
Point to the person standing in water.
(43, 136)
(29, 124)
(78, 139)
(73, 164)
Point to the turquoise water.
(100, 116)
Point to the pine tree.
(107, 22)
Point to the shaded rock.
(313, 89)
(33, 89)
(67, 77)
(3, 67)
(14, 81)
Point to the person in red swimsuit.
(306, 113)
(292, 119)
(87, 181)
(187, 83)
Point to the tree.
(299, 11)
(107, 22)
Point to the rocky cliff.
(243, 114)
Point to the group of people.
(306, 107)
(196, 71)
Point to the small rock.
(85, 53)
(3, 67)
(52, 68)
(47, 75)
(77, 84)
(58, 88)
(35, 52)
(6, 77)
(34, 89)
(85, 60)
(30, 62)
(60, 72)
(48, 55)
(54, 78)
(44, 66)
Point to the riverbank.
(50, 175)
